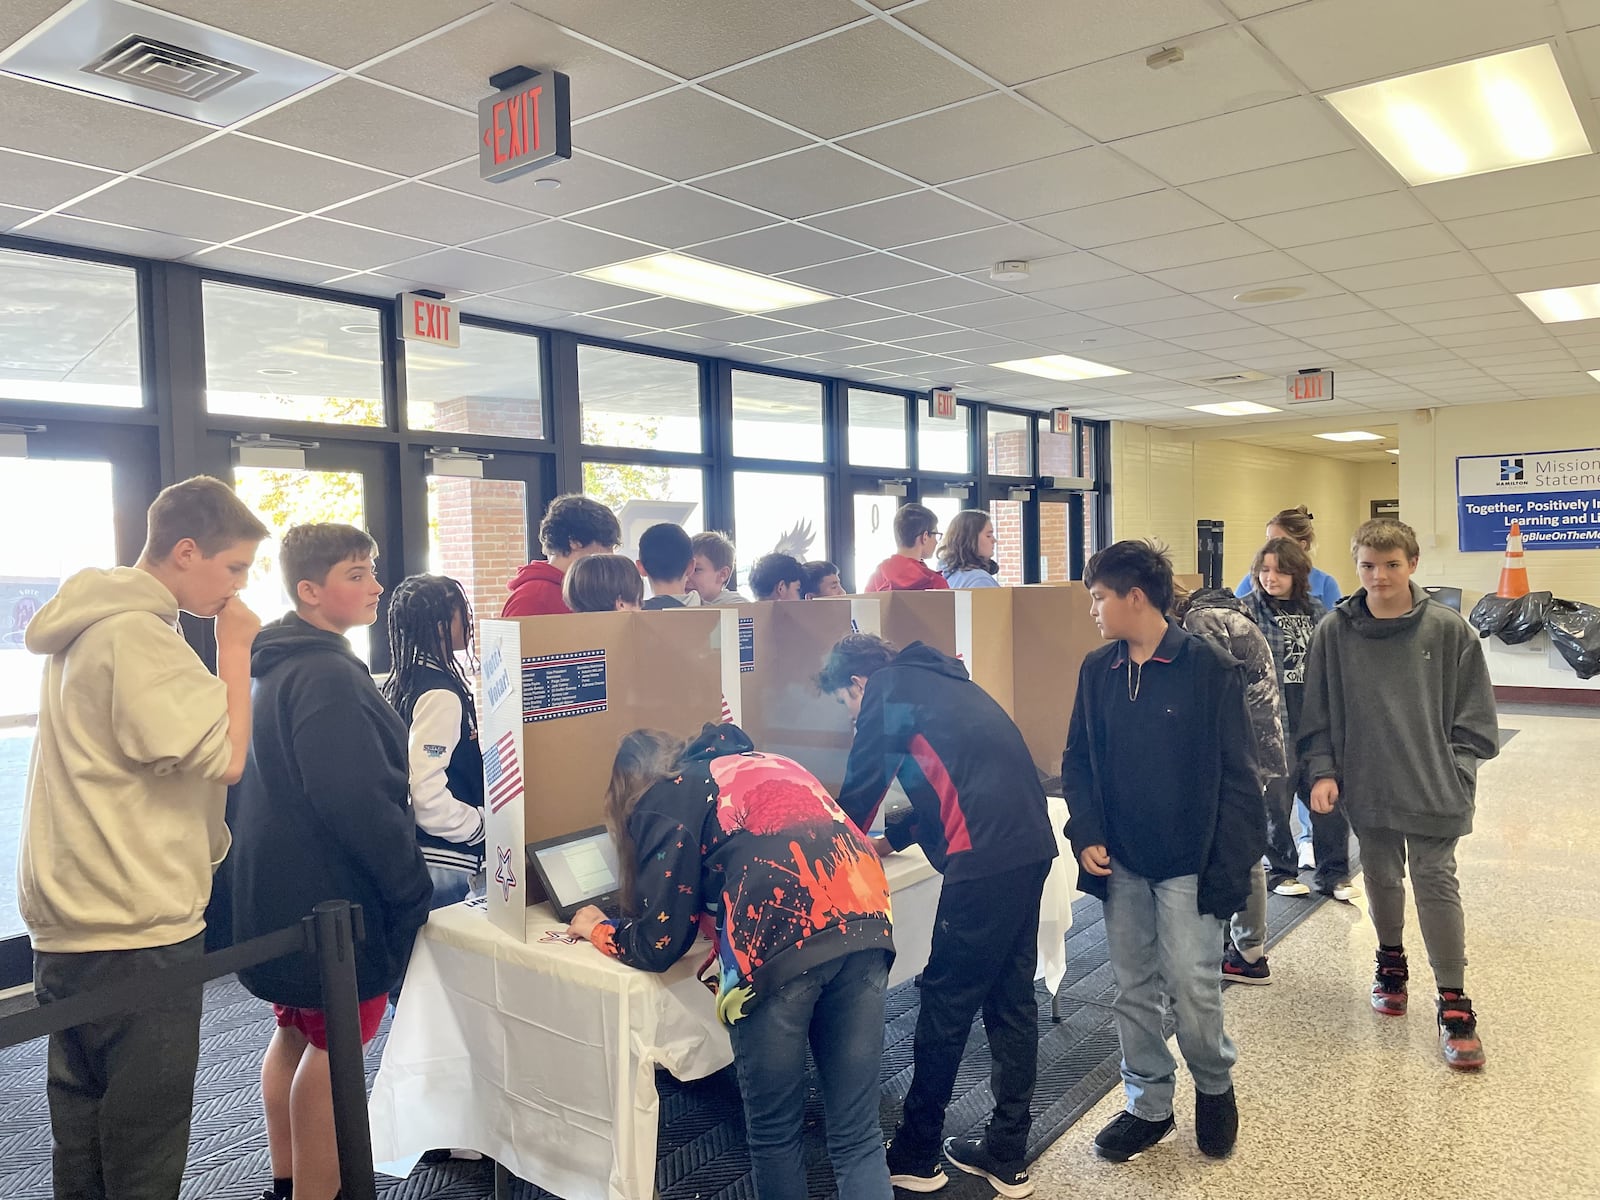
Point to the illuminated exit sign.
(524, 125)
(1309, 387)
(427, 319)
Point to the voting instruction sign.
(1553, 494)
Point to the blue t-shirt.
(1323, 586)
(972, 577)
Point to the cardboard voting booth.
(559, 693)
(928, 617)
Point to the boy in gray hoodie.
(1398, 713)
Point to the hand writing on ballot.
(1096, 860)
(1324, 795)
(584, 921)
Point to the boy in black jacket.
(978, 811)
(1167, 822)
(321, 814)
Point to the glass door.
(96, 484)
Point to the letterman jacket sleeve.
(435, 730)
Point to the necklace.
(1134, 681)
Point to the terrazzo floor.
(1338, 1102)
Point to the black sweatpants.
(985, 951)
(120, 1090)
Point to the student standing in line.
(713, 567)
(966, 556)
(1283, 608)
(777, 577)
(1167, 822)
(916, 536)
(573, 528)
(1296, 524)
(821, 579)
(1217, 615)
(979, 813)
(430, 627)
(1399, 712)
(123, 827)
(803, 935)
(322, 813)
(666, 556)
(603, 583)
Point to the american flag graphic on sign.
(727, 711)
(501, 775)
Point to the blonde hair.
(644, 758)
(1386, 534)
(1296, 523)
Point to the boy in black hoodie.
(1167, 822)
(322, 813)
(978, 810)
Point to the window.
(1059, 452)
(945, 445)
(774, 417)
(1010, 439)
(269, 354)
(478, 536)
(639, 401)
(877, 429)
(489, 384)
(70, 333)
(769, 508)
(643, 494)
(1055, 546)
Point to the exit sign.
(1061, 421)
(1309, 387)
(942, 404)
(426, 319)
(524, 125)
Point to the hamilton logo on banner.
(504, 875)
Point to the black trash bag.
(1575, 633)
(1490, 615)
(1526, 618)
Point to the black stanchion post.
(336, 965)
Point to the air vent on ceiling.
(1238, 377)
(163, 67)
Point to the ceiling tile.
(1054, 35)
(693, 37)
(164, 208)
(674, 217)
(1074, 180)
(600, 326)
(1315, 40)
(1249, 270)
(806, 182)
(1291, 316)
(1559, 274)
(1265, 136)
(897, 328)
(778, 248)
(586, 182)
(1145, 215)
(419, 211)
(934, 294)
(1492, 323)
(1254, 8)
(1417, 314)
(1439, 292)
(340, 34)
(236, 165)
(375, 283)
(666, 312)
(95, 235)
(371, 126)
(41, 183)
(464, 269)
(332, 242)
(1182, 249)
(1528, 224)
(810, 342)
(18, 17)
(954, 343)
(1341, 219)
(265, 266)
(1356, 331)
(455, 66)
(684, 134)
(562, 247)
(985, 247)
(1455, 265)
(1302, 184)
(831, 314)
(573, 294)
(1537, 183)
(12, 216)
(510, 310)
(742, 329)
(1375, 248)
(1185, 327)
(901, 220)
(1545, 252)
(864, 273)
(1222, 70)
(1124, 289)
(1170, 309)
(988, 134)
(101, 133)
(1064, 270)
(891, 77)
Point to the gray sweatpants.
(1432, 861)
(1250, 922)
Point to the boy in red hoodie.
(916, 534)
(574, 527)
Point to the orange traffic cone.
(1513, 576)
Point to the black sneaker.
(1241, 970)
(1129, 1136)
(1458, 1032)
(971, 1154)
(1389, 983)
(925, 1176)
(1216, 1123)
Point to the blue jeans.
(449, 886)
(838, 1007)
(1163, 949)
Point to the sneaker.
(926, 1176)
(1458, 1032)
(1346, 892)
(1389, 983)
(971, 1154)
(1288, 885)
(1241, 970)
(1129, 1136)
(1216, 1123)
(1308, 857)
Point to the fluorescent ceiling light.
(1595, 375)
(1351, 435)
(1234, 408)
(1554, 305)
(705, 283)
(1391, 452)
(1506, 110)
(1061, 366)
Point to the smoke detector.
(1009, 271)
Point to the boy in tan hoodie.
(123, 827)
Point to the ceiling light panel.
(1061, 366)
(1234, 408)
(692, 279)
(1554, 305)
(1487, 114)
(1352, 435)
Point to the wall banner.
(1553, 494)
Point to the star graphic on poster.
(504, 875)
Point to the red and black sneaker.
(1458, 1032)
(1389, 984)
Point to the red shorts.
(314, 1024)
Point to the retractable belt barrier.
(330, 932)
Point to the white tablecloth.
(542, 1055)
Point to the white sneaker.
(1292, 887)
(1308, 857)
(1346, 892)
